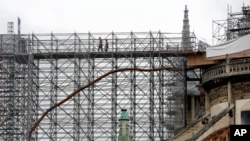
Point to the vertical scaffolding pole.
(185, 100)
(161, 95)
(91, 77)
(114, 92)
(77, 82)
(34, 96)
(151, 93)
(53, 73)
(133, 92)
(161, 102)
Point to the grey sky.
(60, 16)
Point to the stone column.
(230, 96)
(229, 84)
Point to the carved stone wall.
(239, 91)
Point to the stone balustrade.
(236, 67)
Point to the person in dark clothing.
(100, 44)
(106, 45)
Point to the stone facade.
(239, 91)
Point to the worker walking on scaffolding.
(106, 45)
(100, 44)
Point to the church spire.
(186, 40)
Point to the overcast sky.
(81, 16)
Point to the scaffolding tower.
(15, 92)
(39, 70)
(236, 25)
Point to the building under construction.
(73, 86)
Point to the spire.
(124, 133)
(186, 40)
(124, 115)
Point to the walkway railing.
(89, 42)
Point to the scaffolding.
(236, 25)
(39, 70)
(15, 113)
